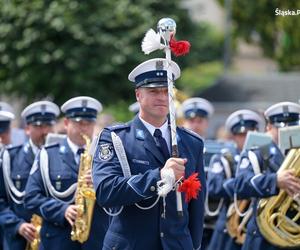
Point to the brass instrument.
(237, 220)
(36, 221)
(84, 198)
(236, 224)
(278, 216)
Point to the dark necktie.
(80, 151)
(161, 143)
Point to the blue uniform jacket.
(56, 231)
(259, 185)
(13, 214)
(135, 228)
(221, 186)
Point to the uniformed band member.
(17, 162)
(6, 115)
(197, 112)
(52, 183)
(145, 222)
(220, 181)
(266, 183)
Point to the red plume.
(191, 186)
(179, 48)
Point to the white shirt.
(74, 149)
(35, 149)
(164, 130)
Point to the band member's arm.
(216, 178)
(112, 188)
(9, 220)
(250, 184)
(36, 200)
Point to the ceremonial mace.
(166, 29)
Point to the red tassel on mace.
(191, 187)
(179, 48)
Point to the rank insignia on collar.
(106, 151)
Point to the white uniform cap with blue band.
(197, 106)
(153, 73)
(6, 112)
(42, 112)
(283, 114)
(242, 120)
(82, 108)
(6, 115)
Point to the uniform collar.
(74, 148)
(35, 149)
(164, 130)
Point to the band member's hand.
(71, 213)
(88, 177)
(28, 231)
(288, 182)
(177, 165)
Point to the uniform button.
(152, 188)
(254, 232)
(268, 190)
(161, 234)
(113, 248)
(55, 223)
(18, 176)
(47, 235)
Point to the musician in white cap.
(132, 159)
(220, 178)
(257, 175)
(17, 162)
(197, 112)
(6, 116)
(51, 187)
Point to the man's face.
(273, 131)
(197, 124)
(75, 130)
(38, 133)
(154, 103)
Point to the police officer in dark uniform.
(196, 113)
(51, 187)
(17, 162)
(130, 162)
(6, 115)
(220, 181)
(266, 182)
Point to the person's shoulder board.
(118, 127)
(192, 133)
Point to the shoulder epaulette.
(52, 145)
(118, 127)
(15, 147)
(192, 133)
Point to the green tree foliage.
(64, 48)
(278, 32)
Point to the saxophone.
(278, 216)
(36, 221)
(84, 198)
